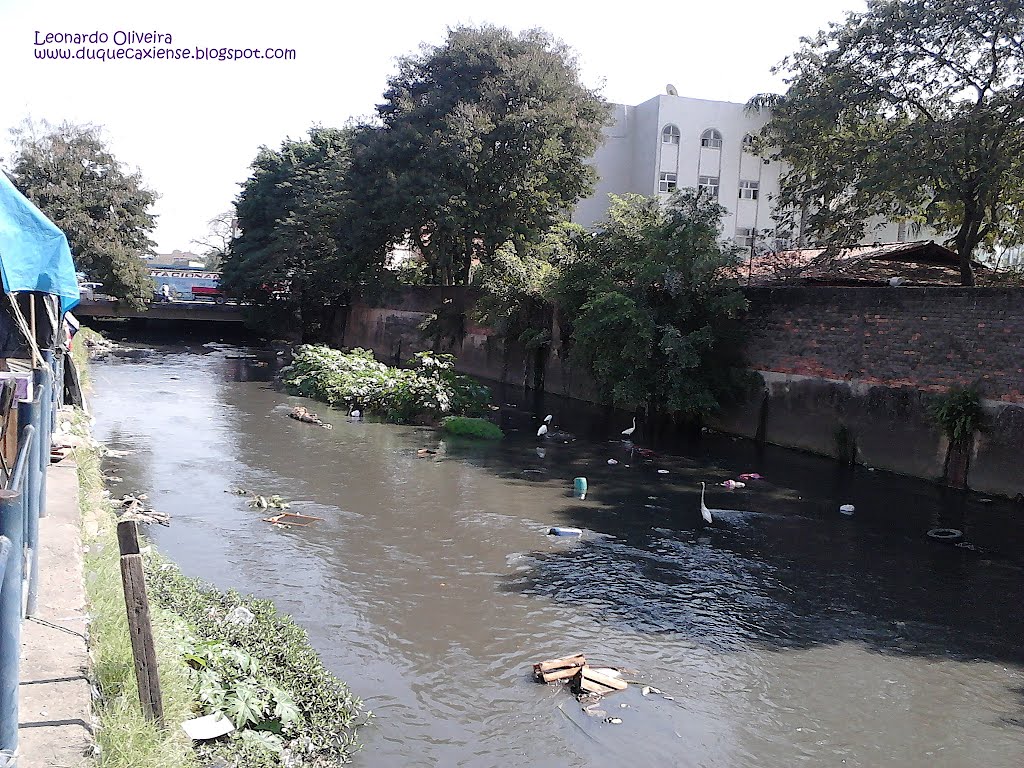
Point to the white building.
(673, 141)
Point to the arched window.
(711, 139)
(670, 135)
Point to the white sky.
(193, 127)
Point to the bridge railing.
(22, 503)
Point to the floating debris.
(425, 452)
(612, 462)
(268, 502)
(847, 509)
(733, 484)
(662, 471)
(558, 530)
(291, 518)
(135, 508)
(751, 476)
(112, 454)
(299, 413)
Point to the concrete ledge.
(55, 715)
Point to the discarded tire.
(945, 534)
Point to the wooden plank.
(576, 660)
(589, 680)
(558, 674)
(139, 626)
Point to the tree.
(483, 140)
(654, 319)
(222, 229)
(300, 251)
(70, 174)
(912, 110)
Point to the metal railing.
(22, 503)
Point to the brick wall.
(924, 338)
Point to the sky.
(192, 127)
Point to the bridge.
(194, 311)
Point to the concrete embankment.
(842, 369)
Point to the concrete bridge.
(194, 311)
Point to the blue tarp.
(34, 253)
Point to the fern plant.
(959, 413)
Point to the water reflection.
(787, 634)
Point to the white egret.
(543, 430)
(704, 511)
(629, 432)
(548, 418)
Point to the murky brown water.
(791, 635)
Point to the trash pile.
(282, 518)
(135, 508)
(299, 413)
(582, 678)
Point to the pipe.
(12, 527)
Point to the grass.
(464, 426)
(124, 737)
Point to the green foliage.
(652, 318)
(480, 429)
(300, 252)
(517, 287)
(911, 111)
(70, 174)
(483, 140)
(356, 380)
(258, 668)
(959, 413)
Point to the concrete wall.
(860, 361)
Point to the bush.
(959, 413)
(480, 429)
(257, 667)
(356, 380)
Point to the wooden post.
(139, 627)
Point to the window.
(744, 236)
(748, 190)
(670, 135)
(667, 182)
(708, 184)
(711, 138)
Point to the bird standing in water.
(543, 430)
(704, 511)
(629, 432)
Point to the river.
(787, 635)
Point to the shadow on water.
(781, 567)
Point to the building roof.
(920, 262)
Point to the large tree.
(300, 252)
(652, 315)
(70, 174)
(912, 110)
(483, 140)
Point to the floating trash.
(612, 462)
(945, 534)
(847, 509)
(579, 487)
(733, 484)
(558, 530)
(751, 476)
(662, 471)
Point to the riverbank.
(843, 369)
(216, 652)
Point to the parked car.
(205, 292)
